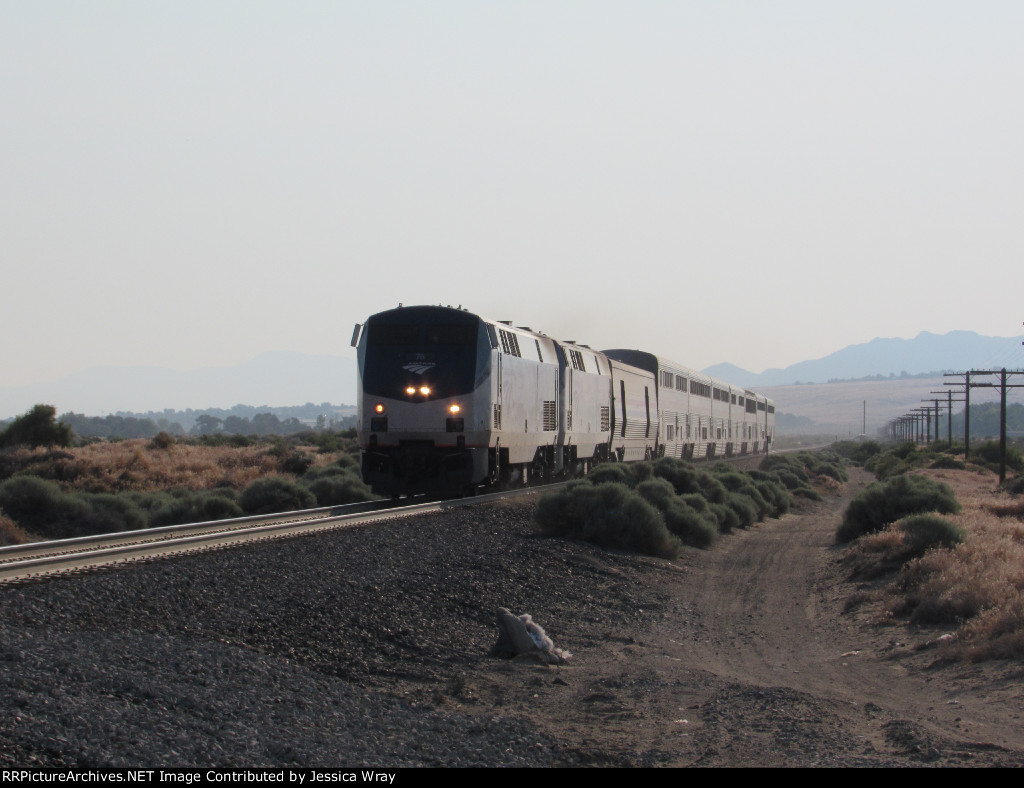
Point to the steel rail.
(108, 549)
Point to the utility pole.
(1003, 386)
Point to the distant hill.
(284, 378)
(894, 358)
(849, 408)
(272, 378)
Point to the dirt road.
(753, 663)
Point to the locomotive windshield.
(418, 347)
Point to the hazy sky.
(187, 184)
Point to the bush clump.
(275, 494)
(922, 532)
(694, 526)
(948, 463)
(883, 503)
(988, 454)
(38, 427)
(610, 515)
(42, 507)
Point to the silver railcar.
(449, 400)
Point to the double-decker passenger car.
(449, 400)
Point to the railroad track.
(45, 559)
(60, 556)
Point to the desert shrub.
(788, 479)
(657, 492)
(887, 466)
(1015, 486)
(348, 462)
(727, 519)
(711, 488)
(325, 471)
(904, 450)
(187, 506)
(865, 450)
(832, 469)
(338, 489)
(296, 462)
(950, 463)
(775, 463)
(857, 451)
(694, 527)
(680, 474)
(882, 503)
(161, 441)
(775, 495)
(219, 504)
(988, 453)
(275, 494)
(111, 513)
(806, 492)
(41, 507)
(924, 531)
(730, 478)
(608, 514)
(614, 473)
(745, 509)
(223, 439)
(174, 508)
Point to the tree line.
(41, 427)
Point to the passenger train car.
(449, 400)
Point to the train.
(449, 402)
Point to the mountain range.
(291, 378)
(925, 353)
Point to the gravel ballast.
(335, 649)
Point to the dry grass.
(977, 587)
(12, 533)
(137, 465)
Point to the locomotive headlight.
(424, 390)
(379, 407)
(455, 408)
(410, 390)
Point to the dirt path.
(755, 664)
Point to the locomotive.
(449, 401)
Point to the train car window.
(492, 336)
(539, 354)
(647, 405)
(393, 334)
(450, 335)
(622, 399)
